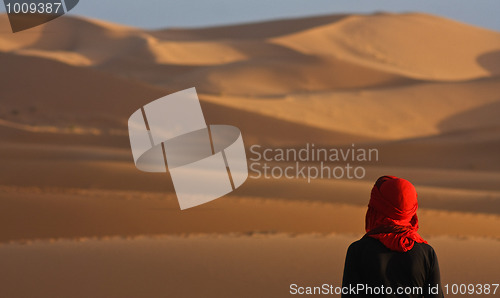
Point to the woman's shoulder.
(364, 243)
(425, 248)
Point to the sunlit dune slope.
(417, 45)
(409, 111)
(298, 55)
(104, 103)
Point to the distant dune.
(417, 45)
(421, 89)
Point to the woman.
(392, 259)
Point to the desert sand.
(77, 219)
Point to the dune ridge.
(309, 64)
(369, 41)
(362, 41)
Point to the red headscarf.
(392, 214)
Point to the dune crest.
(416, 45)
(309, 54)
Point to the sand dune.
(208, 265)
(105, 108)
(56, 90)
(104, 163)
(194, 53)
(105, 213)
(250, 31)
(424, 47)
(9, 41)
(280, 76)
(416, 45)
(414, 110)
(472, 150)
(74, 41)
(77, 219)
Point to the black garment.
(370, 263)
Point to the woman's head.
(394, 197)
(392, 212)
